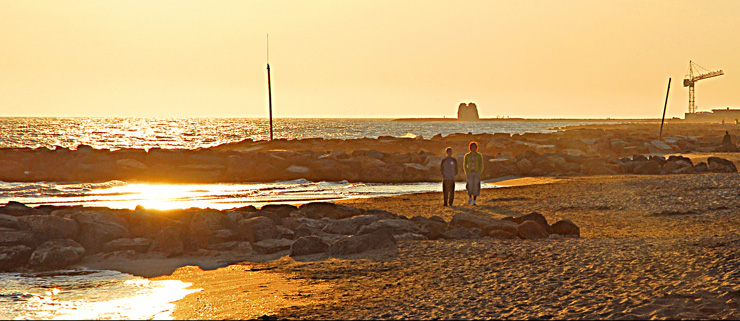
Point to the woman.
(473, 164)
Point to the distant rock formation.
(467, 112)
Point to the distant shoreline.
(537, 119)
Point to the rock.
(484, 223)
(524, 166)
(380, 239)
(295, 169)
(463, 233)
(566, 227)
(204, 225)
(500, 167)
(393, 226)
(130, 165)
(225, 235)
(661, 145)
(17, 237)
(140, 245)
(270, 246)
(294, 222)
(349, 226)
(721, 165)
(257, 229)
(8, 221)
(534, 216)
(431, 229)
(413, 172)
(504, 235)
(98, 228)
(308, 245)
(169, 241)
(701, 167)
(14, 208)
(244, 247)
(531, 230)
(410, 237)
(14, 256)
(648, 168)
(279, 210)
(47, 227)
(320, 210)
(57, 253)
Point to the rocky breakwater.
(580, 151)
(49, 237)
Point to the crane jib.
(688, 81)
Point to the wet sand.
(651, 247)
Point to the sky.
(377, 59)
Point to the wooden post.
(269, 85)
(660, 136)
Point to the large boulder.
(648, 168)
(257, 229)
(19, 209)
(377, 240)
(484, 223)
(531, 230)
(320, 210)
(349, 226)
(430, 228)
(140, 245)
(308, 245)
(721, 165)
(204, 225)
(393, 226)
(57, 253)
(534, 216)
(462, 233)
(47, 227)
(8, 221)
(169, 241)
(566, 227)
(14, 256)
(99, 227)
(10, 237)
(270, 246)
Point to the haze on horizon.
(379, 58)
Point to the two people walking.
(473, 166)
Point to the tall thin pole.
(664, 108)
(269, 85)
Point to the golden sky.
(385, 59)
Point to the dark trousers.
(448, 189)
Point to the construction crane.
(694, 75)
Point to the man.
(473, 165)
(449, 170)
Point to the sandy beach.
(651, 247)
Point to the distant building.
(724, 116)
(467, 112)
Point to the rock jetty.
(603, 150)
(49, 237)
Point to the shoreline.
(615, 227)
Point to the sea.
(93, 294)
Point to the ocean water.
(87, 294)
(191, 133)
(129, 195)
(79, 294)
